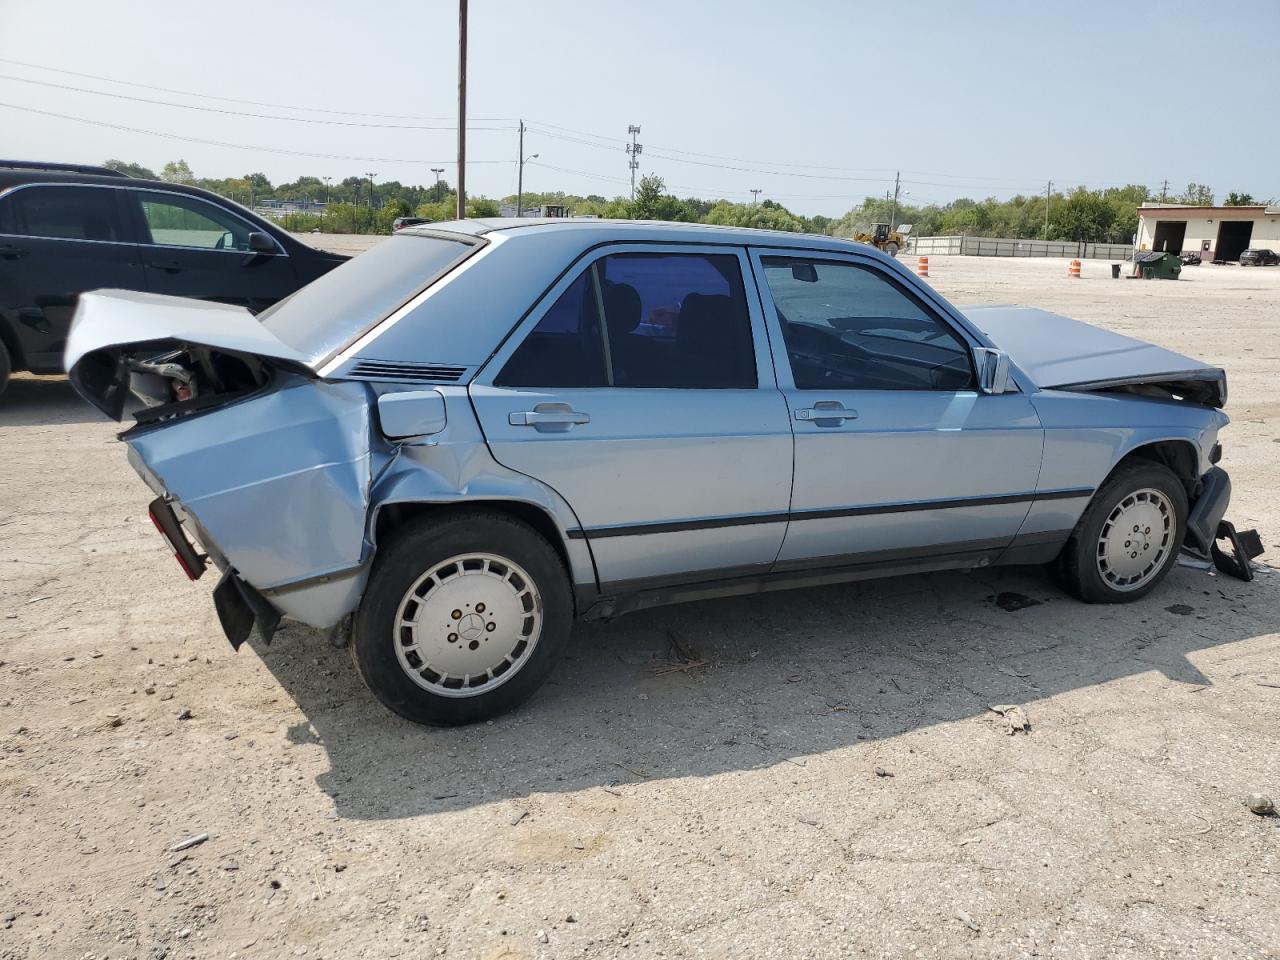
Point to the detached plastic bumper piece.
(1245, 545)
(241, 608)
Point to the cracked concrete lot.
(829, 782)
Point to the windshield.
(333, 311)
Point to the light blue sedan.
(449, 448)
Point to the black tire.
(6, 366)
(891, 249)
(420, 548)
(1078, 567)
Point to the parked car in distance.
(1259, 257)
(1190, 259)
(399, 223)
(459, 442)
(66, 229)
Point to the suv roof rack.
(68, 167)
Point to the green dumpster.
(1157, 266)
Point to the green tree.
(482, 207)
(130, 169)
(1239, 199)
(1197, 194)
(177, 171)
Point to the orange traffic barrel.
(922, 267)
(1073, 270)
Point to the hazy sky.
(815, 102)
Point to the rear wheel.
(1129, 537)
(463, 618)
(891, 249)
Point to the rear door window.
(643, 320)
(63, 213)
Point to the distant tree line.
(1108, 215)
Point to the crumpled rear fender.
(277, 486)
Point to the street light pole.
(370, 176)
(462, 109)
(437, 171)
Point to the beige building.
(1216, 233)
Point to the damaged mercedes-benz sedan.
(449, 448)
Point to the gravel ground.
(639, 806)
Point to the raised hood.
(1059, 353)
(116, 335)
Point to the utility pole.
(633, 153)
(1164, 190)
(1048, 188)
(755, 195)
(462, 109)
(370, 176)
(520, 174)
(437, 171)
(893, 210)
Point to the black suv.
(1259, 257)
(66, 229)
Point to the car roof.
(592, 231)
(12, 177)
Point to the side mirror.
(993, 370)
(262, 243)
(411, 413)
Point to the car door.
(640, 389)
(898, 456)
(58, 240)
(194, 248)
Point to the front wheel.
(891, 249)
(1128, 539)
(463, 618)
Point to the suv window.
(191, 222)
(671, 319)
(66, 213)
(849, 327)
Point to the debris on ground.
(1015, 718)
(882, 772)
(968, 921)
(190, 842)
(1260, 804)
(1181, 609)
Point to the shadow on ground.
(40, 401)
(787, 675)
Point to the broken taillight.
(164, 520)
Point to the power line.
(239, 113)
(224, 143)
(251, 103)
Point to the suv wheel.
(463, 618)
(1129, 537)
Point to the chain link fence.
(1001, 247)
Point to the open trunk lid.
(168, 350)
(1059, 353)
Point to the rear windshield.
(335, 310)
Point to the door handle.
(10, 252)
(168, 266)
(549, 417)
(826, 413)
